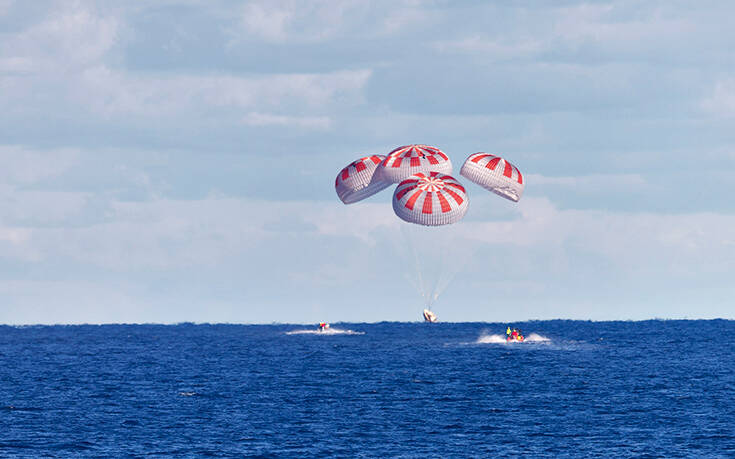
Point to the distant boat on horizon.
(430, 316)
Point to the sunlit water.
(579, 389)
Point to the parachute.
(405, 161)
(358, 181)
(494, 174)
(431, 199)
(427, 195)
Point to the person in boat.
(323, 326)
(507, 332)
(515, 335)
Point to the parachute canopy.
(430, 199)
(358, 180)
(405, 161)
(494, 174)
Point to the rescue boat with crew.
(514, 335)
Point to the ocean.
(660, 388)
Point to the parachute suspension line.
(433, 254)
(441, 263)
(451, 266)
(447, 266)
(452, 258)
(411, 244)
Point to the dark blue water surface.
(642, 389)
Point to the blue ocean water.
(604, 389)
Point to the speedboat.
(323, 326)
(430, 316)
(515, 336)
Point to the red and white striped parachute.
(494, 174)
(430, 199)
(358, 180)
(405, 161)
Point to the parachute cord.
(434, 293)
(452, 267)
(441, 281)
(416, 262)
(436, 258)
(401, 247)
(451, 263)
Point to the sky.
(174, 161)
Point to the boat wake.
(500, 339)
(491, 339)
(536, 338)
(329, 331)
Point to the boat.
(323, 326)
(430, 316)
(515, 336)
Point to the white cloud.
(491, 47)
(631, 241)
(71, 38)
(721, 101)
(610, 31)
(108, 92)
(91, 74)
(594, 182)
(160, 234)
(167, 233)
(357, 221)
(14, 236)
(5, 6)
(308, 122)
(289, 21)
(25, 166)
(16, 65)
(286, 20)
(65, 62)
(72, 302)
(267, 20)
(30, 208)
(217, 235)
(408, 14)
(615, 27)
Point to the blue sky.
(175, 161)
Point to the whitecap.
(329, 331)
